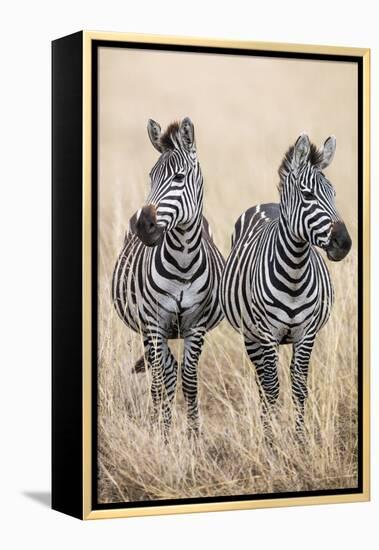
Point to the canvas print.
(227, 276)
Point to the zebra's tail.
(141, 365)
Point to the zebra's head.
(308, 198)
(176, 196)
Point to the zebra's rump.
(254, 217)
(124, 288)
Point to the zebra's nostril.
(340, 242)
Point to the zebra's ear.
(154, 131)
(301, 151)
(327, 153)
(187, 134)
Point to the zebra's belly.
(175, 312)
(285, 326)
(288, 333)
(179, 313)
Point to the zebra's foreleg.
(299, 377)
(193, 345)
(265, 358)
(164, 370)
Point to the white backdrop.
(26, 31)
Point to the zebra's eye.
(178, 178)
(308, 196)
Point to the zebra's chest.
(287, 322)
(180, 295)
(289, 310)
(180, 300)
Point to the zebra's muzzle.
(340, 243)
(146, 226)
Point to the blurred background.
(247, 111)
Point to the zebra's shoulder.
(254, 216)
(207, 231)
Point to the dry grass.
(231, 457)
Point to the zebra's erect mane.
(315, 157)
(167, 139)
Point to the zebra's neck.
(183, 246)
(290, 254)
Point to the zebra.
(276, 288)
(166, 279)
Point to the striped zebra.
(276, 287)
(166, 279)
